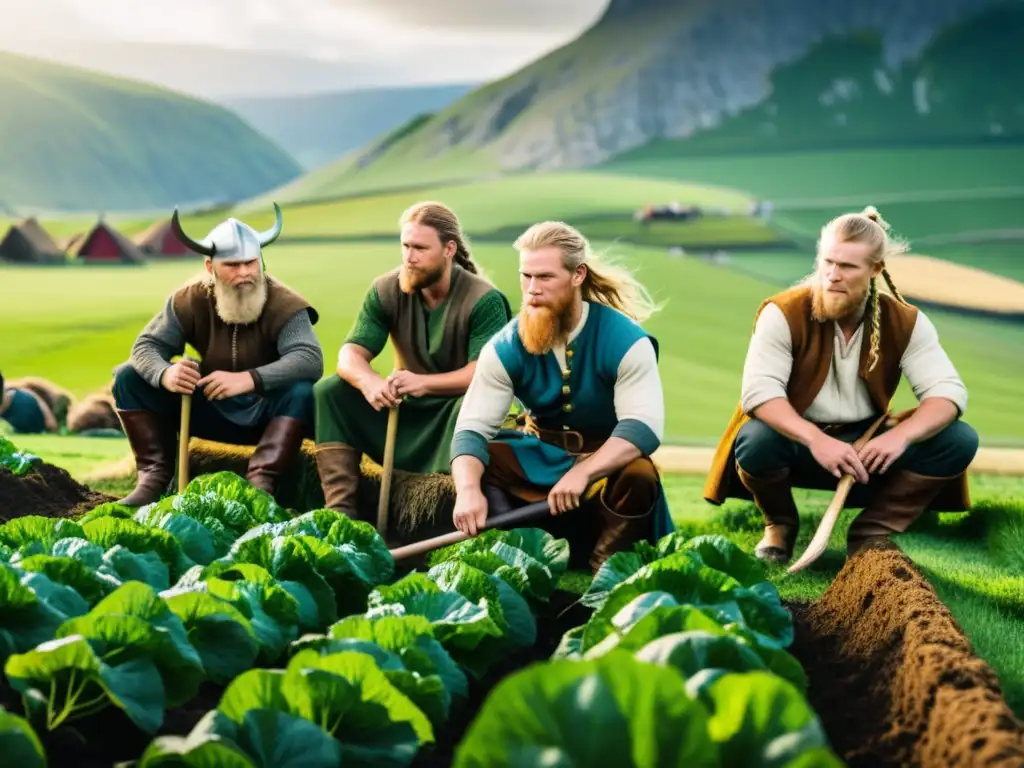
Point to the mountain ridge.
(651, 70)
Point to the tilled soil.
(45, 490)
(893, 676)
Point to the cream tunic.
(844, 396)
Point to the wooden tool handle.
(183, 438)
(508, 520)
(384, 500)
(819, 542)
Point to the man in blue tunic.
(587, 374)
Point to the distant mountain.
(77, 140)
(316, 129)
(727, 76)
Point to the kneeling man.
(824, 363)
(587, 373)
(259, 361)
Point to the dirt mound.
(45, 490)
(893, 676)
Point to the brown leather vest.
(408, 322)
(226, 347)
(813, 345)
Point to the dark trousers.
(760, 450)
(133, 393)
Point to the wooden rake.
(819, 542)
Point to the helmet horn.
(206, 250)
(270, 235)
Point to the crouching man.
(823, 364)
(259, 361)
(438, 310)
(587, 374)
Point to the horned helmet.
(231, 240)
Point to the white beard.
(240, 307)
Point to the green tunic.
(427, 341)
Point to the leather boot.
(773, 495)
(338, 467)
(276, 453)
(898, 502)
(153, 443)
(618, 532)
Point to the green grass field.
(704, 326)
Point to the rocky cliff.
(735, 75)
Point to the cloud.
(541, 17)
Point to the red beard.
(834, 306)
(541, 328)
(411, 280)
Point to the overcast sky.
(318, 44)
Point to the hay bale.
(96, 413)
(420, 505)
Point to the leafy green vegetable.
(14, 460)
(264, 739)
(220, 633)
(19, 743)
(65, 679)
(759, 719)
(613, 710)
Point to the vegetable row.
(327, 657)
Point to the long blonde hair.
(609, 284)
(868, 227)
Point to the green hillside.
(660, 80)
(79, 141)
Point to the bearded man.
(254, 382)
(824, 362)
(439, 311)
(577, 358)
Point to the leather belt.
(569, 440)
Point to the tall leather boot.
(153, 443)
(276, 453)
(773, 495)
(338, 467)
(901, 498)
(618, 532)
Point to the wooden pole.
(508, 520)
(384, 502)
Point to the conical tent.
(159, 240)
(105, 245)
(28, 243)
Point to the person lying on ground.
(823, 363)
(587, 374)
(25, 410)
(259, 359)
(438, 310)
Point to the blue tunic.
(581, 398)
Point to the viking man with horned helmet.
(824, 362)
(587, 373)
(254, 382)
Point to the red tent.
(158, 240)
(105, 245)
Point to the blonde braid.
(876, 319)
(892, 286)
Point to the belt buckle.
(579, 439)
